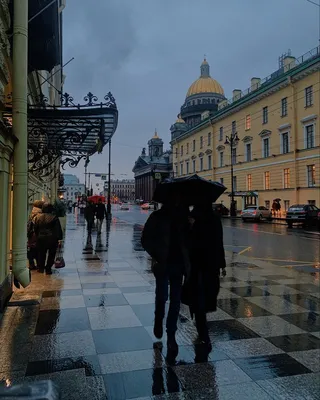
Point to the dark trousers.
(46, 245)
(32, 255)
(90, 223)
(173, 278)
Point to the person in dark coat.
(207, 262)
(164, 237)
(32, 252)
(48, 232)
(101, 212)
(89, 213)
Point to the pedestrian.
(48, 232)
(164, 237)
(89, 212)
(32, 252)
(207, 262)
(100, 214)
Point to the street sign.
(104, 177)
(157, 175)
(97, 175)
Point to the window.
(187, 151)
(187, 167)
(209, 162)
(285, 143)
(176, 172)
(311, 175)
(233, 155)
(266, 147)
(201, 142)
(265, 115)
(248, 151)
(249, 182)
(234, 181)
(221, 133)
(193, 145)
(209, 139)
(267, 180)
(309, 136)
(248, 122)
(284, 107)
(221, 159)
(286, 178)
(267, 204)
(194, 166)
(234, 127)
(312, 203)
(201, 164)
(309, 96)
(181, 169)
(286, 205)
(181, 150)
(221, 181)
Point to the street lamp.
(232, 140)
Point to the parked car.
(305, 214)
(256, 213)
(124, 207)
(147, 206)
(220, 209)
(318, 221)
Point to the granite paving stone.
(89, 327)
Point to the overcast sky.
(148, 52)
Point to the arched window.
(199, 101)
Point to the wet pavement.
(88, 327)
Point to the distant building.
(73, 187)
(151, 168)
(123, 189)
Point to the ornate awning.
(69, 132)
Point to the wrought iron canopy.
(69, 132)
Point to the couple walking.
(95, 210)
(188, 253)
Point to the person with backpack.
(48, 233)
(32, 252)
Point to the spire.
(155, 136)
(205, 68)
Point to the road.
(265, 241)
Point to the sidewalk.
(88, 327)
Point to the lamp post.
(109, 182)
(232, 140)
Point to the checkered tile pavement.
(89, 328)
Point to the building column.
(20, 130)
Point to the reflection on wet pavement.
(89, 328)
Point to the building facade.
(73, 188)
(123, 189)
(277, 151)
(151, 168)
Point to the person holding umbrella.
(164, 237)
(207, 262)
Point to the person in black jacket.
(89, 212)
(207, 262)
(164, 237)
(100, 214)
(48, 233)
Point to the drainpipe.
(20, 130)
(295, 140)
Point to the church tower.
(155, 146)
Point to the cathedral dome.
(205, 84)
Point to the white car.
(256, 213)
(147, 206)
(124, 207)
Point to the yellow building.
(277, 123)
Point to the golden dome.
(205, 84)
(180, 120)
(155, 136)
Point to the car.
(124, 207)
(257, 213)
(220, 209)
(305, 214)
(147, 206)
(318, 221)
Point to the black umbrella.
(191, 190)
